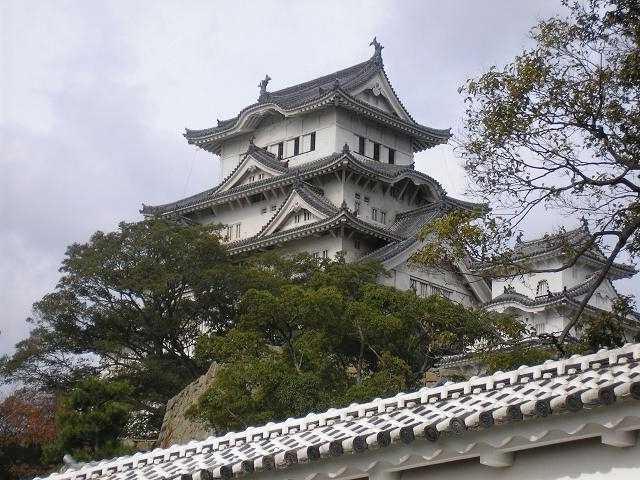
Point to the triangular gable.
(294, 204)
(249, 170)
(377, 91)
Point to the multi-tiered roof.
(397, 236)
(335, 89)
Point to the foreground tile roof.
(569, 385)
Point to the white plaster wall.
(400, 278)
(526, 284)
(276, 128)
(314, 244)
(249, 216)
(351, 125)
(576, 274)
(583, 460)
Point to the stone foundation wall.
(176, 428)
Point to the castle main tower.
(325, 167)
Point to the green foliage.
(132, 302)
(325, 334)
(556, 129)
(90, 420)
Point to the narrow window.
(273, 208)
(237, 230)
(383, 217)
(280, 150)
(356, 208)
(316, 254)
(296, 146)
(376, 151)
(264, 210)
(261, 176)
(312, 147)
(325, 253)
(374, 214)
(357, 195)
(297, 218)
(361, 145)
(306, 215)
(392, 156)
(356, 243)
(366, 199)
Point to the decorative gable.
(295, 212)
(377, 92)
(252, 169)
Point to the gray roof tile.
(527, 393)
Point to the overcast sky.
(94, 97)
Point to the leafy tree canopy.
(556, 129)
(89, 420)
(328, 335)
(131, 303)
(148, 307)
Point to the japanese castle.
(327, 167)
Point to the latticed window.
(542, 288)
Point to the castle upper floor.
(356, 106)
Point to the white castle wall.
(275, 129)
(584, 460)
(349, 126)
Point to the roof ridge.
(322, 78)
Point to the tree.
(556, 129)
(324, 334)
(131, 303)
(90, 421)
(26, 427)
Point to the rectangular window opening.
(376, 151)
(392, 156)
(312, 147)
(296, 145)
(361, 145)
(280, 150)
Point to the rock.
(176, 427)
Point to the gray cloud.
(94, 97)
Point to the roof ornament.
(519, 237)
(345, 148)
(378, 53)
(263, 87)
(344, 206)
(336, 82)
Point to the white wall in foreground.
(583, 460)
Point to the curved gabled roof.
(332, 89)
(381, 171)
(341, 218)
(560, 245)
(544, 300)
